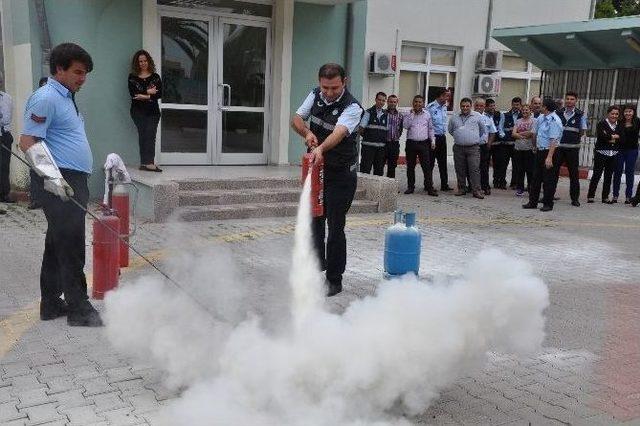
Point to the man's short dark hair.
(463, 100)
(613, 107)
(490, 101)
(392, 96)
(517, 99)
(43, 81)
(571, 93)
(63, 55)
(439, 91)
(418, 97)
(331, 71)
(549, 104)
(381, 94)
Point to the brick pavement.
(587, 372)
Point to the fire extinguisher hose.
(122, 239)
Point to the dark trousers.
(339, 190)
(570, 157)
(5, 163)
(36, 187)
(510, 149)
(372, 156)
(64, 247)
(485, 158)
(602, 164)
(392, 154)
(419, 150)
(439, 154)
(542, 176)
(147, 126)
(626, 163)
(500, 157)
(523, 162)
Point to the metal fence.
(597, 90)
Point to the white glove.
(40, 159)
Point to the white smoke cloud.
(386, 354)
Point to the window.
(424, 69)
(519, 79)
(514, 63)
(511, 87)
(228, 6)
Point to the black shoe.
(85, 317)
(512, 186)
(431, 192)
(334, 289)
(478, 195)
(487, 191)
(575, 203)
(51, 310)
(409, 191)
(530, 205)
(614, 200)
(34, 206)
(446, 188)
(556, 198)
(3, 211)
(627, 201)
(607, 201)
(635, 201)
(546, 208)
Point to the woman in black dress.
(145, 88)
(605, 156)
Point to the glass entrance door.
(215, 74)
(185, 131)
(243, 76)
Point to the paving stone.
(122, 417)
(82, 415)
(8, 412)
(15, 369)
(131, 387)
(95, 386)
(51, 370)
(40, 414)
(30, 381)
(108, 402)
(33, 397)
(71, 399)
(142, 402)
(60, 384)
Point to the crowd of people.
(537, 138)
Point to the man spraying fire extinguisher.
(334, 115)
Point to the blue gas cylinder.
(402, 244)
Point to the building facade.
(235, 71)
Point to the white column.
(281, 78)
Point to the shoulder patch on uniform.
(38, 119)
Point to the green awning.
(594, 44)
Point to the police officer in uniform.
(574, 121)
(548, 134)
(373, 128)
(334, 115)
(56, 146)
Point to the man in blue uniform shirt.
(56, 146)
(548, 134)
(334, 115)
(438, 111)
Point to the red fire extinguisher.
(317, 183)
(120, 203)
(106, 252)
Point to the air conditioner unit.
(489, 61)
(382, 63)
(486, 84)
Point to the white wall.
(456, 23)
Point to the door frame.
(213, 155)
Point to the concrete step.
(196, 184)
(256, 210)
(244, 196)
